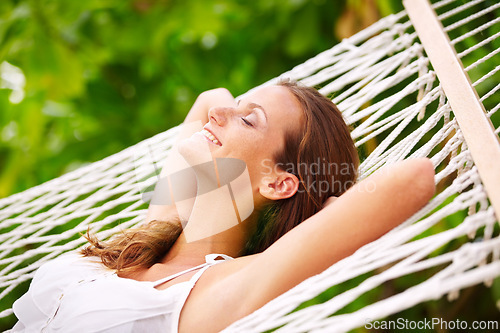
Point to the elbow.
(421, 174)
(214, 94)
(412, 188)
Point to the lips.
(211, 136)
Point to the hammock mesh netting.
(389, 93)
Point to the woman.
(298, 158)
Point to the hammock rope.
(39, 224)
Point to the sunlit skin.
(233, 289)
(253, 130)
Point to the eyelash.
(247, 122)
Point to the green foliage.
(102, 75)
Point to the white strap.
(210, 259)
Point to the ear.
(282, 186)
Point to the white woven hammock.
(41, 223)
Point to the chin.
(195, 149)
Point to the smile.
(211, 137)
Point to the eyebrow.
(257, 106)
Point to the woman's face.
(253, 130)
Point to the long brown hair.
(323, 142)
(139, 247)
(322, 156)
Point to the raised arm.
(364, 213)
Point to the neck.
(214, 226)
(193, 251)
(203, 235)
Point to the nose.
(219, 114)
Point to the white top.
(79, 294)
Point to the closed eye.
(247, 122)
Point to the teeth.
(210, 136)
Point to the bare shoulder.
(218, 298)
